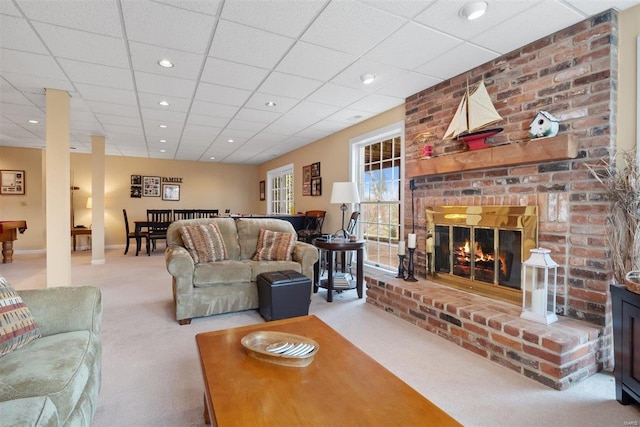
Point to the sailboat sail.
(475, 112)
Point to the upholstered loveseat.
(228, 284)
(54, 379)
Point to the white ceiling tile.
(124, 130)
(333, 94)
(258, 101)
(7, 8)
(151, 101)
(107, 119)
(99, 107)
(546, 23)
(376, 103)
(408, 83)
(83, 46)
(232, 74)
(285, 17)
(10, 95)
(105, 94)
(245, 125)
(288, 85)
(199, 119)
(34, 85)
(16, 34)
(222, 94)
(163, 25)
(314, 62)
(30, 64)
(593, 7)
(102, 17)
(456, 61)
(209, 7)
(152, 129)
(163, 85)
(99, 75)
(260, 116)
(248, 45)
(405, 8)
(213, 109)
(349, 115)
(351, 27)
(411, 46)
(145, 57)
(163, 115)
(351, 75)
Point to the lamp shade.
(344, 192)
(89, 203)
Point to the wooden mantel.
(540, 150)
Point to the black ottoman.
(283, 294)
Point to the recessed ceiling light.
(212, 158)
(230, 140)
(164, 103)
(165, 63)
(34, 122)
(163, 151)
(270, 104)
(163, 140)
(163, 126)
(474, 10)
(368, 78)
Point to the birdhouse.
(543, 125)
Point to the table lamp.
(344, 192)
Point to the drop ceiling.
(232, 57)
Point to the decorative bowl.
(280, 348)
(632, 281)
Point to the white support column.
(97, 197)
(58, 188)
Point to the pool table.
(7, 235)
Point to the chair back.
(159, 215)
(352, 222)
(314, 220)
(126, 221)
(207, 213)
(179, 214)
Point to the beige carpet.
(151, 375)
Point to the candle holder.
(410, 277)
(400, 267)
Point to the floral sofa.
(215, 262)
(50, 359)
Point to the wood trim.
(560, 147)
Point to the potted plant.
(622, 185)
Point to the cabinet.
(626, 337)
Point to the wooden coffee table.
(341, 387)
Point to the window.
(379, 169)
(280, 190)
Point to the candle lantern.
(539, 287)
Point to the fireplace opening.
(481, 249)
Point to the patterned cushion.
(204, 242)
(17, 326)
(274, 246)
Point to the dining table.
(142, 228)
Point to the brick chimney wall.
(572, 74)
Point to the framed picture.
(316, 186)
(151, 186)
(136, 179)
(306, 189)
(315, 169)
(171, 192)
(306, 174)
(136, 191)
(12, 182)
(263, 192)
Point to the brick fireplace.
(573, 75)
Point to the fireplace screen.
(482, 245)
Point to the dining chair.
(159, 220)
(312, 225)
(179, 214)
(130, 234)
(207, 213)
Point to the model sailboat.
(474, 114)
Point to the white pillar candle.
(401, 247)
(411, 241)
(539, 301)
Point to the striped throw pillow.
(17, 325)
(274, 246)
(204, 242)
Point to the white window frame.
(272, 174)
(390, 131)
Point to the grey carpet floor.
(151, 374)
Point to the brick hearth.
(557, 355)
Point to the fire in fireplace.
(481, 248)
